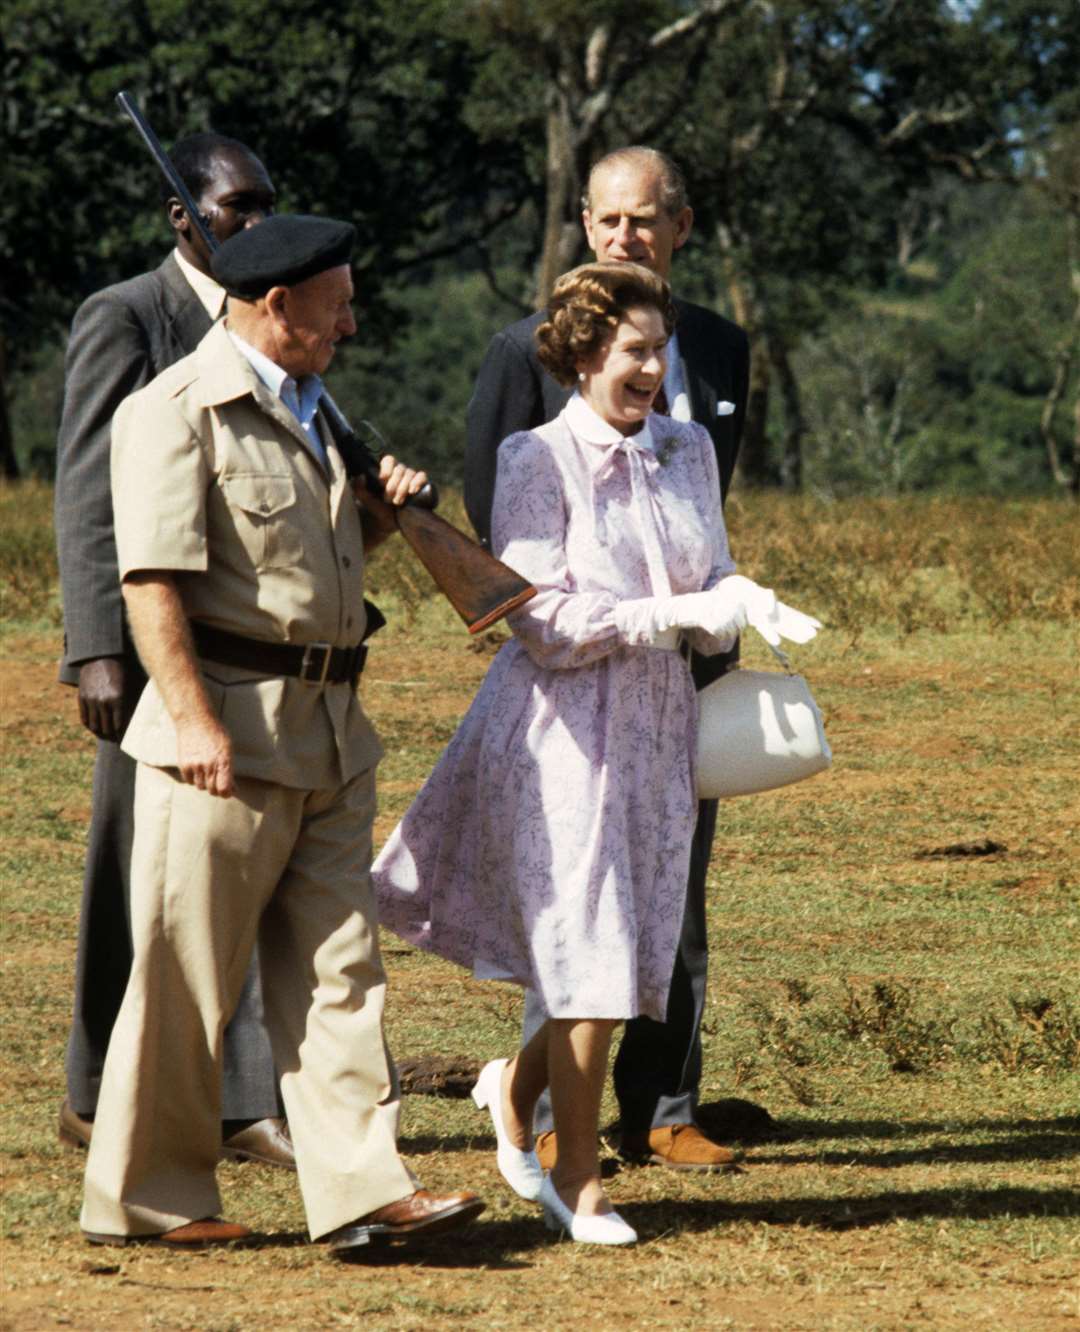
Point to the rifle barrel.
(483, 594)
(161, 157)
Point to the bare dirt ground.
(946, 1198)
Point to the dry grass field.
(910, 1016)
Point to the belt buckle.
(306, 662)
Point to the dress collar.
(590, 428)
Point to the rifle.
(479, 587)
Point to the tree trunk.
(1062, 474)
(748, 309)
(791, 458)
(562, 215)
(1066, 475)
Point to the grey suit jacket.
(121, 338)
(514, 392)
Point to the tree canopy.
(819, 138)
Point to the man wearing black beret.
(241, 554)
(120, 339)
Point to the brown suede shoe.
(266, 1141)
(192, 1235)
(546, 1149)
(679, 1147)
(419, 1214)
(72, 1130)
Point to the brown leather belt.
(315, 663)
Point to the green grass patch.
(909, 1016)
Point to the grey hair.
(672, 181)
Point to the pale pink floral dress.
(551, 844)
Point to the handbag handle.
(781, 656)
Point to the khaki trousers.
(290, 869)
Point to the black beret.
(281, 251)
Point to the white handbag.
(758, 730)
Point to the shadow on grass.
(422, 1144)
(1016, 1140)
(876, 1209)
(1019, 1140)
(911, 1128)
(487, 1244)
(506, 1245)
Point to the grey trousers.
(657, 1071)
(103, 962)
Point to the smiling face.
(622, 376)
(627, 221)
(310, 319)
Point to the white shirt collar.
(210, 293)
(587, 425)
(268, 371)
(674, 385)
(300, 396)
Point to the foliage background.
(909, 1017)
(887, 196)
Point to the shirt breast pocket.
(267, 520)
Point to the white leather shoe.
(607, 1229)
(521, 1170)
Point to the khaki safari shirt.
(214, 480)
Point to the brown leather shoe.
(679, 1147)
(420, 1214)
(546, 1149)
(266, 1141)
(73, 1131)
(192, 1235)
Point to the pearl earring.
(581, 376)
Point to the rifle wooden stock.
(479, 587)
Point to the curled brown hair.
(586, 307)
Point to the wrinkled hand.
(398, 482)
(204, 753)
(101, 697)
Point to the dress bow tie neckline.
(640, 456)
(611, 444)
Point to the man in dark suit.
(636, 210)
(121, 339)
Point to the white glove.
(722, 611)
(784, 621)
(771, 618)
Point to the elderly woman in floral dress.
(550, 845)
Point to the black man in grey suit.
(121, 338)
(635, 209)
